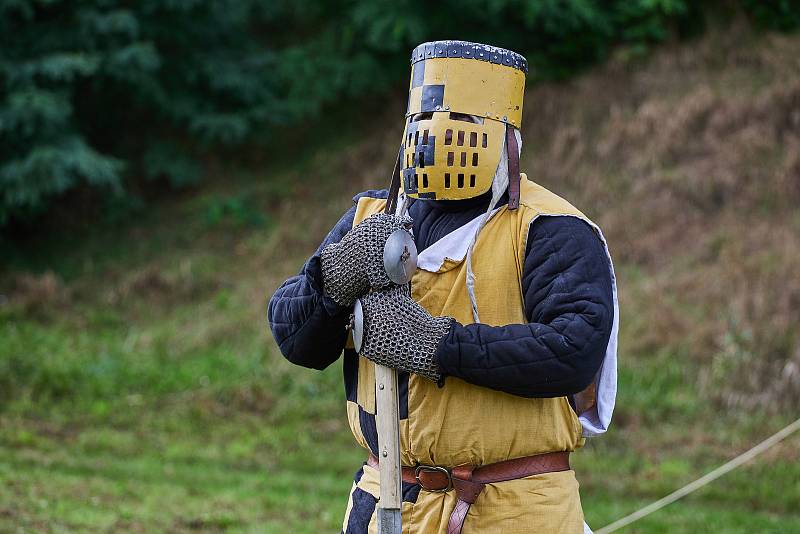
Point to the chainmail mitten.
(355, 264)
(399, 333)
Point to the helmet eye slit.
(474, 119)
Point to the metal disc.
(400, 257)
(358, 325)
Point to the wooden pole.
(387, 418)
(388, 427)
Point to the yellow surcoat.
(461, 423)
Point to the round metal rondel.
(400, 257)
(358, 325)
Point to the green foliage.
(85, 86)
(98, 94)
(781, 15)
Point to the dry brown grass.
(36, 295)
(691, 164)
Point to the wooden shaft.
(387, 418)
(388, 427)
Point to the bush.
(98, 94)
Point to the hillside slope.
(140, 390)
(691, 164)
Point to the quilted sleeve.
(569, 303)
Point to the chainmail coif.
(354, 265)
(401, 334)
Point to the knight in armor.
(505, 339)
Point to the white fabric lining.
(452, 246)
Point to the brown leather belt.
(468, 480)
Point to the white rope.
(700, 482)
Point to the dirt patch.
(36, 295)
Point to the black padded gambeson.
(568, 301)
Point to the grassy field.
(140, 389)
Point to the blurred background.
(165, 165)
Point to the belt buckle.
(434, 469)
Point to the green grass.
(166, 425)
(159, 468)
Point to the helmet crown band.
(462, 97)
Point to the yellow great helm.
(464, 100)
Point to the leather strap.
(513, 168)
(468, 481)
(467, 491)
(394, 186)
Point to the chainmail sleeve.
(309, 326)
(355, 264)
(401, 334)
